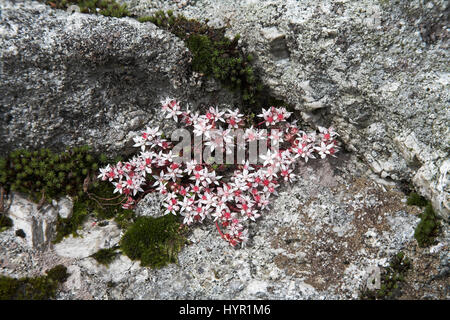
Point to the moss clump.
(38, 288)
(214, 54)
(58, 273)
(415, 199)
(5, 223)
(154, 241)
(42, 173)
(183, 27)
(391, 279)
(106, 256)
(428, 227)
(109, 8)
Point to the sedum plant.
(231, 195)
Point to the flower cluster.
(230, 195)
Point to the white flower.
(270, 158)
(195, 190)
(324, 149)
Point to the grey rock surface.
(150, 206)
(90, 239)
(73, 79)
(376, 70)
(38, 223)
(64, 207)
(319, 240)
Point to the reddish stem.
(218, 229)
(260, 123)
(234, 208)
(107, 199)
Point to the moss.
(109, 8)
(106, 256)
(58, 273)
(45, 174)
(391, 279)
(214, 54)
(428, 227)
(154, 241)
(147, 19)
(37, 288)
(415, 199)
(5, 223)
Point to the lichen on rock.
(374, 70)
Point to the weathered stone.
(375, 70)
(65, 207)
(38, 224)
(318, 241)
(277, 42)
(73, 79)
(91, 238)
(150, 206)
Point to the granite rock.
(72, 79)
(37, 222)
(375, 70)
